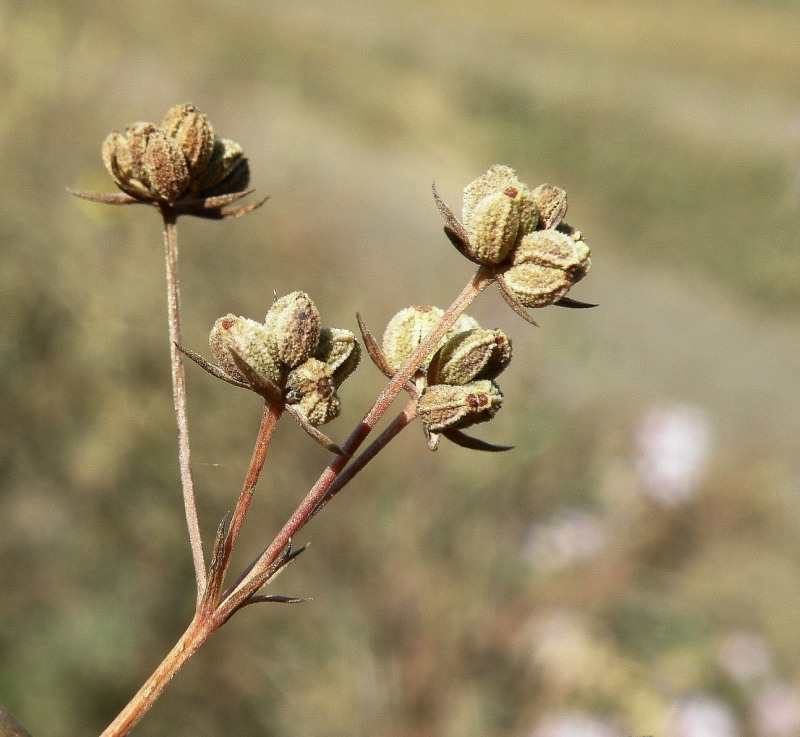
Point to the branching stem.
(339, 472)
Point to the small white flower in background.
(573, 537)
(704, 716)
(777, 711)
(745, 657)
(575, 724)
(672, 448)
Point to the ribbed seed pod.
(551, 202)
(164, 169)
(251, 341)
(447, 407)
(406, 330)
(498, 210)
(311, 387)
(293, 322)
(194, 135)
(340, 350)
(545, 265)
(469, 356)
(227, 170)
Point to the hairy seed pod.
(469, 356)
(312, 388)
(294, 325)
(251, 341)
(446, 407)
(122, 155)
(164, 169)
(551, 202)
(498, 210)
(406, 330)
(545, 265)
(227, 170)
(193, 133)
(497, 222)
(495, 179)
(339, 349)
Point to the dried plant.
(442, 358)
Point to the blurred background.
(631, 568)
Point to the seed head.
(179, 161)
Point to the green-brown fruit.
(498, 210)
(251, 341)
(311, 387)
(446, 407)
(408, 328)
(340, 350)
(469, 356)
(545, 265)
(293, 322)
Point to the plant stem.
(179, 395)
(269, 420)
(376, 446)
(196, 634)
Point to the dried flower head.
(178, 164)
(288, 359)
(503, 229)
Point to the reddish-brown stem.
(269, 420)
(179, 396)
(376, 446)
(201, 628)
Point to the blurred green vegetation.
(453, 594)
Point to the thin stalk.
(179, 396)
(196, 634)
(269, 420)
(355, 466)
